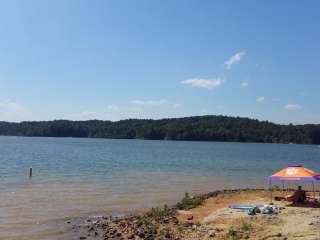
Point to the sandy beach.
(213, 219)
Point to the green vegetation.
(190, 202)
(202, 128)
(156, 222)
(158, 213)
(233, 234)
(246, 227)
(242, 233)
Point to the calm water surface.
(78, 177)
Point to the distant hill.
(200, 128)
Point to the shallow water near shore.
(74, 178)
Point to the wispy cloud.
(204, 111)
(260, 99)
(161, 102)
(234, 59)
(112, 107)
(124, 109)
(112, 112)
(85, 115)
(292, 107)
(203, 83)
(244, 84)
(13, 111)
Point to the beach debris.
(254, 209)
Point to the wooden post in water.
(30, 172)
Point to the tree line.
(198, 128)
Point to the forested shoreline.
(198, 128)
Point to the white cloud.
(124, 109)
(292, 107)
(260, 99)
(244, 84)
(85, 115)
(88, 114)
(162, 102)
(9, 105)
(111, 112)
(135, 110)
(112, 107)
(12, 111)
(234, 59)
(203, 83)
(204, 111)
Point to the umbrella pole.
(282, 188)
(314, 193)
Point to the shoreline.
(193, 217)
(163, 140)
(145, 224)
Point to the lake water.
(73, 177)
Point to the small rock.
(211, 233)
(141, 235)
(188, 224)
(190, 218)
(131, 236)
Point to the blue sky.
(121, 59)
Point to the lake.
(73, 178)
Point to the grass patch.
(189, 202)
(158, 213)
(233, 234)
(243, 232)
(246, 227)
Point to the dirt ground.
(217, 221)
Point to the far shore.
(207, 216)
(192, 128)
(164, 140)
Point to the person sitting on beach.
(299, 196)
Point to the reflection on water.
(80, 177)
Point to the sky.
(119, 59)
